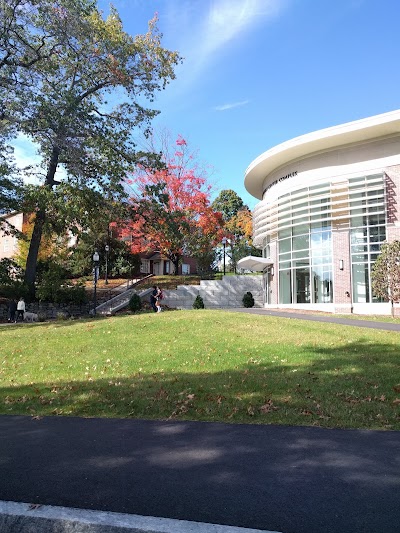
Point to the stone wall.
(217, 294)
(50, 310)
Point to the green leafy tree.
(11, 185)
(229, 203)
(31, 32)
(238, 226)
(385, 275)
(71, 113)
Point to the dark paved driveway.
(288, 479)
(299, 315)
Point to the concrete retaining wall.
(217, 294)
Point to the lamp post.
(96, 258)
(224, 239)
(107, 249)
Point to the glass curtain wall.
(368, 232)
(305, 247)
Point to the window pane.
(285, 233)
(302, 280)
(285, 289)
(360, 284)
(301, 229)
(301, 243)
(285, 246)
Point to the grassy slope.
(203, 365)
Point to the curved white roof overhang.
(352, 132)
(257, 264)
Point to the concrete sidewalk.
(268, 478)
(23, 517)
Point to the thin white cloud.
(225, 107)
(228, 19)
(202, 30)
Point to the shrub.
(135, 303)
(15, 289)
(66, 294)
(54, 288)
(198, 302)
(63, 315)
(248, 300)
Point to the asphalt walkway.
(269, 478)
(314, 317)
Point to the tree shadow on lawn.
(355, 386)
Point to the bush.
(66, 294)
(54, 288)
(135, 303)
(248, 300)
(15, 289)
(198, 303)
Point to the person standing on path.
(153, 298)
(12, 309)
(20, 309)
(159, 297)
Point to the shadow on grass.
(353, 386)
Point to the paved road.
(288, 479)
(299, 315)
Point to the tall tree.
(229, 203)
(172, 206)
(77, 127)
(239, 231)
(385, 275)
(238, 226)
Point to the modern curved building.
(328, 200)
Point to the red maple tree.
(171, 211)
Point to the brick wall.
(392, 182)
(341, 278)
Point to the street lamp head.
(96, 256)
(106, 248)
(224, 240)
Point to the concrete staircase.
(121, 300)
(217, 294)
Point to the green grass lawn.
(203, 365)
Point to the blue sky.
(260, 72)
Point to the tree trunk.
(176, 265)
(31, 261)
(174, 258)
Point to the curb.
(16, 517)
